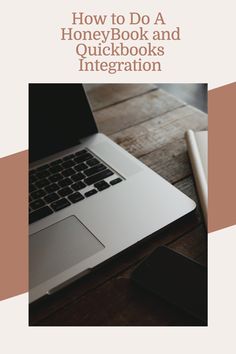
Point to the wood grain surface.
(150, 124)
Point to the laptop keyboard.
(65, 181)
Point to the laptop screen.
(59, 116)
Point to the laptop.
(89, 199)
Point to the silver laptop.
(89, 198)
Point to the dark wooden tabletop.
(150, 124)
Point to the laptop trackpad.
(59, 247)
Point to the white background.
(31, 51)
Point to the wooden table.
(150, 124)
